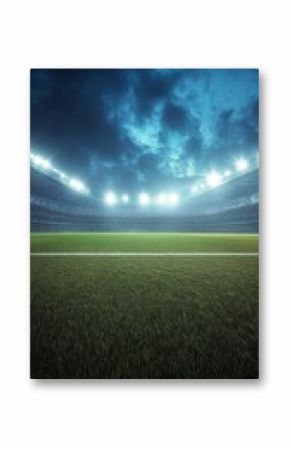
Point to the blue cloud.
(132, 127)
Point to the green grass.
(137, 317)
(143, 242)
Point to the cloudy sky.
(143, 129)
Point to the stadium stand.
(232, 207)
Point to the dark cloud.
(175, 117)
(126, 128)
(237, 131)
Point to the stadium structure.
(227, 202)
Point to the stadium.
(216, 208)
(149, 275)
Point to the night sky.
(143, 129)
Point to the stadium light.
(227, 173)
(241, 164)
(173, 199)
(110, 199)
(77, 185)
(162, 199)
(213, 179)
(144, 199)
(41, 162)
(194, 189)
(125, 198)
(170, 199)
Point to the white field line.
(144, 254)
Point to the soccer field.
(144, 313)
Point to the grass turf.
(144, 317)
(143, 242)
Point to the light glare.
(144, 199)
(241, 164)
(77, 185)
(161, 199)
(40, 162)
(125, 198)
(213, 179)
(173, 199)
(110, 199)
